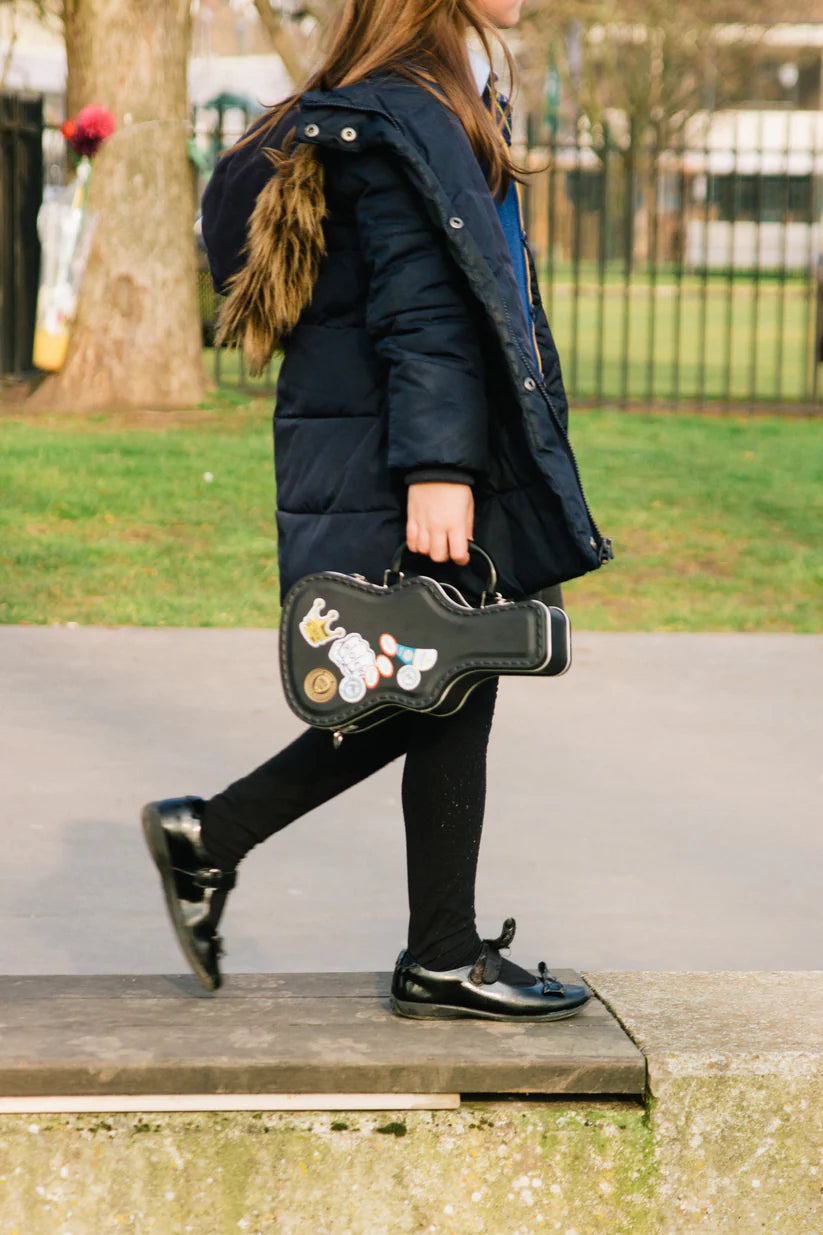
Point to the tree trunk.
(136, 340)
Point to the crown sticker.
(316, 627)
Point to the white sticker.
(408, 678)
(353, 654)
(352, 689)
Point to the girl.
(370, 227)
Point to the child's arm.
(424, 324)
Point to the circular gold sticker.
(320, 685)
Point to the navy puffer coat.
(413, 359)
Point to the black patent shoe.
(476, 991)
(194, 888)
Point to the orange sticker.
(371, 677)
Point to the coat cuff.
(438, 475)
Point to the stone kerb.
(735, 1094)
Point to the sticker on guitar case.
(408, 678)
(355, 657)
(320, 685)
(421, 658)
(316, 627)
(372, 676)
(352, 689)
(415, 661)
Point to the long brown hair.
(425, 42)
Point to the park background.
(675, 218)
(653, 816)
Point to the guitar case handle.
(491, 585)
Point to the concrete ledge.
(725, 1134)
(486, 1169)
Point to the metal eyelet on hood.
(311, 130)
(455, 223)
(348, 134)
(530, 384)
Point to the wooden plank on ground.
(289, 1034)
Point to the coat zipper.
(604, 545)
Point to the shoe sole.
(447, 1012)
(161, 856)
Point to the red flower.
(87, 133)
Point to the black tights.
(444, 794)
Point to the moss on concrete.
(511, 1168)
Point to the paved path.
(658, 808)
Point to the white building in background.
(32, 54)
(229, 57)
(753, 189)
(230, 60)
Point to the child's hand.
(440, 521)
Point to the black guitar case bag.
(353, 653)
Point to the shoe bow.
(486, 968)
(551, 985)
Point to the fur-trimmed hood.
(285, 247)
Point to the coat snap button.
(456, 223)
(311, 130)
(530, 384)
(348, 135)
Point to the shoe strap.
(486, 968)
(505, 937)
(212, 877)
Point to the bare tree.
(653, 62)
(136, 339)
(294, 30)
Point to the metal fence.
(686, 273)
(21, 188)
(677, 274)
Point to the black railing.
(684, 273)
(21, 189)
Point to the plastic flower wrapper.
(66, 230)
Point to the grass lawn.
(740, 341)
(110, 519)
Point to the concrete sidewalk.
(657, 808)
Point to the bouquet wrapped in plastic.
(66, 229)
